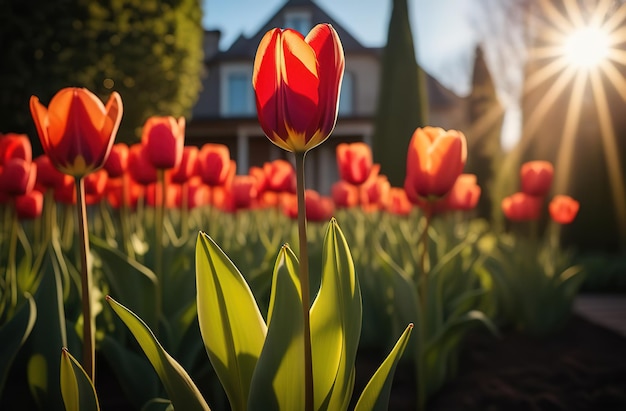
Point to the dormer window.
(237, 95)
(299, 21)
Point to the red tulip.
(522, 207)
(536, 177)
(187, 167)
(29, 206)
(172, 195)
(435, 159)
(354, 162)
(14, 145)
(563, 209)
(344, 194)
(375, 193)
(296, 82)
(281, 176)
(76, 130)
(318, 208)
(399, 203)
(18, 176)
(48, 176)
(244, 191)
(115, 195)
(117, 163)
(214, 164)
(164, 139)
(464, 194)
(139, 166)
(198, 193)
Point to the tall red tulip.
(536, 177)
(164, 139)
(76, 130)
(139, 166)
(296, 81)
(435, 159)
(354, 161)
(563, 209)
(244, 192)
(280, 176)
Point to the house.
(226, 111)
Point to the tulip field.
(195, 287)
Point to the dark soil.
(582, 367)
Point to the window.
(346, 97)
(237, 97)
(299, 21)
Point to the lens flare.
(587, 47)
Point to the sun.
(587, 47)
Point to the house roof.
(245, 47)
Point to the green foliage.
(148, 51)
(402, 101)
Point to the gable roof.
(245, 47)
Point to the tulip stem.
(424, 256)
(89, 352)
(304, 281)
(158, 227)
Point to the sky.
(445, 36)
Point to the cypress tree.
(483, 136)
(402, 103)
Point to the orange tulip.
(354, 162)
(563, 209)
(76, 130)
(164, 139)
(536, 177)
(296, 81)
(522, 207)
(399, 203)
(435, 159)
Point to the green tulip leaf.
(131, 282)
(77, 389)
(13, 334)
(231, 324)
(278, 380)
(182, 391)
(375, 396)
(336, 316)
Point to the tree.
(148, 51)
(402, 103)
